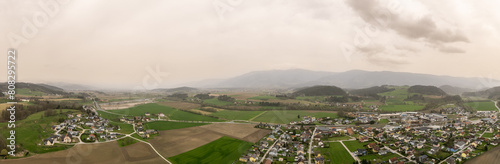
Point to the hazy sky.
(113, 42)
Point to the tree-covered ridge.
(320, 91)
(426, 90)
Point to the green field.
(263, 98)
(488, 135)
(336, 153)
(236, 115)
(167, 125)
(171, 113)
(221, 151)
(311, 98)
(371, 157)
(396, 108)
(339, 138)
(482, 105)
(126, 141)
(383, 121)
(28, 92)
(32, 130)
(285, 116)
(355, 145)
(217, 102)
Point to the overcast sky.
(112, 43)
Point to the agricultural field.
(285, 116)
(236, 115)
(126, 141)
(222, 150)
(339, 138)
(95, 153)
(167, 125)
(482, 105)
(263, 98)
(28, 92)
(171, 113)
(371, 157)
(180, 105)
(34, 129)
(336, 153)
(396, 108)
(217, 102)
(174, 142)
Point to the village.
(407, 137)
(91, 128)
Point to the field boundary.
(257, 116)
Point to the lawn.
(386, 157)
(355, 145)
(167, 125)
(383, 121)
(482, 105)
(31, 131)
(236, 115)
(217, 102)
(170, 112)
(339, 138)
(126, 141)
(488, 135)
(285, 116)
(223, 150)
(336, 153)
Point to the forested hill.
(426, 90)
(320, 91)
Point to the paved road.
(310, 144)
(352, 155)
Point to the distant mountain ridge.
(354, 79)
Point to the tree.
(4, 152)
(298, 116)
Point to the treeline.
(23, 111)
(435, 103)
(181, 96)
(225, 98)
(320, 91)
(371, 91)
(203, 96)
(269, 104)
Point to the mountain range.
(354, 79)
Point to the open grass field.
(236, 115)
(402, 108)
(482, 105)
(217, 102)
(263, 98)
(180, 105)
(488, 135)
(174, 142)
(138, 153)
(383, 121)
(220, 151)
(339, 138)
(32, 130)
(28, 92)
(371, 157)
(285, 116)
(336, 154)
(167, 125)
(355, 145)
(170, 112)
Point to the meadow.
(220, 151)
(482, 105)
(171, 113)
(336, 153)
(236, 115)
(167, 125)
(285, 116)
(217, 102)
(34, 129)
